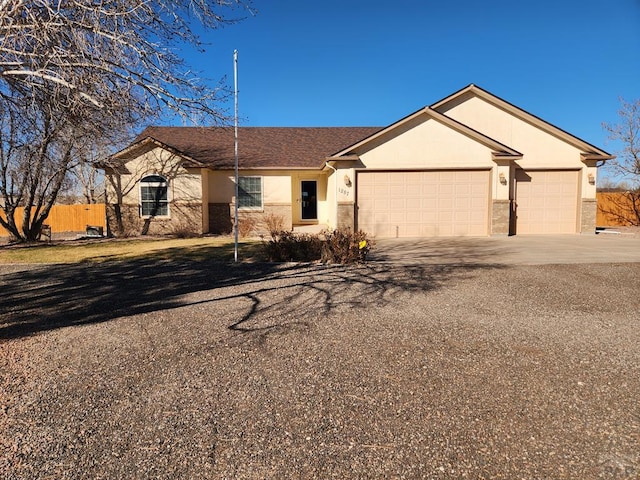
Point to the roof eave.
(596, 156)
(241, 168)
(125, 153)
(506, 156)
(344, 158)
(112, 170)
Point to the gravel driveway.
(170, 370)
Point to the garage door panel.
(446, 190)
(413, 190)
(546, 201)
(427, 203)
(414, 217)
(397, 204)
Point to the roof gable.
(472, 90)
(500, 150)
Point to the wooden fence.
(615, 209)
(69, 218)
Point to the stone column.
(500, 217)
(346, 216)
(588, 215)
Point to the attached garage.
(546, 201)
(423, 203)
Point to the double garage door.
(457, 202)
(423, 203)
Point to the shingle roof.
(259, 147)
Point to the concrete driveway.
(515, 250)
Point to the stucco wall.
(185, 190)
(281, 196)
(426, 143)
(276, 185)
(185, 185)
(540, 149)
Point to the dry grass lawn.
(211, 248)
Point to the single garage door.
(546, 201)
(424, 203)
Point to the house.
(470, 164)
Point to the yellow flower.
(362, 244)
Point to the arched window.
(154, 197)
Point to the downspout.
(335, 225)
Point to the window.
(250, 192)
(154, 198)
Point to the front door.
(309, 190)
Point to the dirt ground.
(184, 370)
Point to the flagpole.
(235, 90)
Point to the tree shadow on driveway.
(441, 250)
(58, 296)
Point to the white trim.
(257, 208)
(302, 219)
(154, 184)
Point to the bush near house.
(337, 246)
(286, 246)
(342, 246)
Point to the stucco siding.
(185, 185)
(540, 149)
(276, 186)
(185, 191)
(427, 144)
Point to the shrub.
(274, 224)
(287, 246)
(246, 225)
(337, 246)
(184, 228)
(344, 246)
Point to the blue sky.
(370, 63)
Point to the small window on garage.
(154, 196)
(250, 192)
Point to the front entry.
(309, 189)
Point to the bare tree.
(37, 146)
(75, 73)
(626, 166)
(87, 180)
